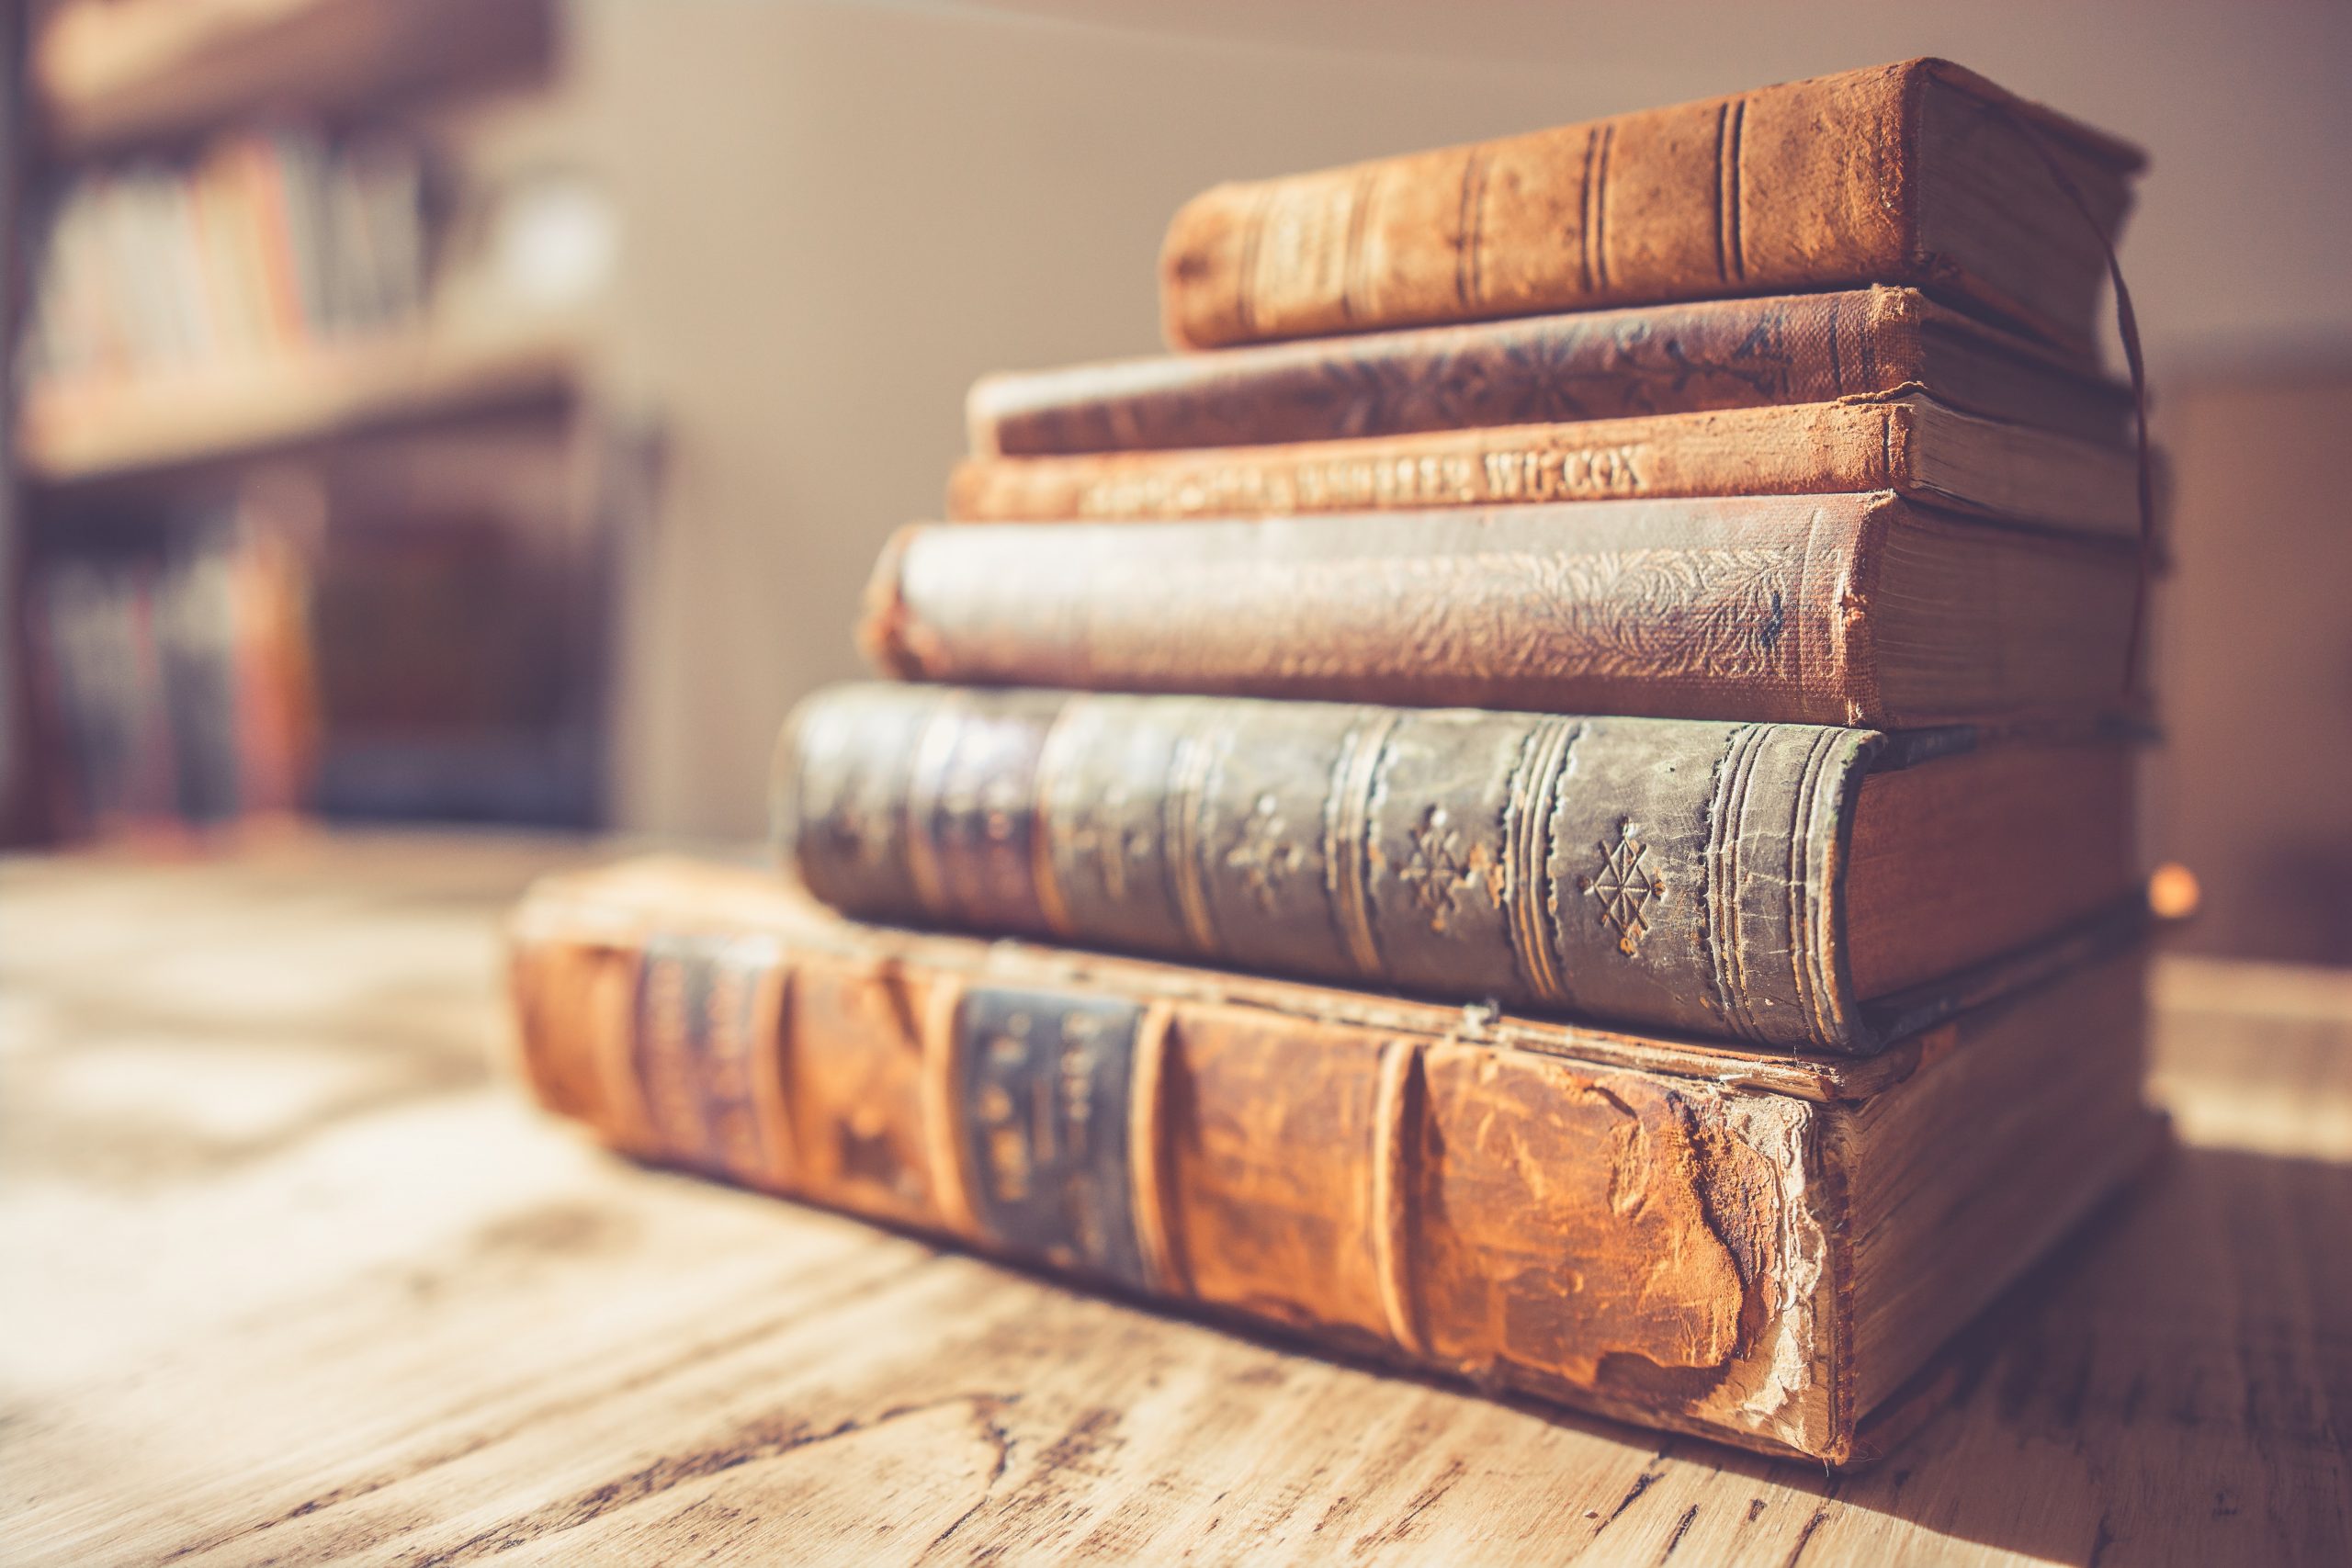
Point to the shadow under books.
(2174, 1388)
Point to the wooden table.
(291, 1276)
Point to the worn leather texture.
(1650, 1244)
(1643, 1227)
(1679, 876)
(1595, 364)
(1909, 445)
(1808, 185)
(1764, 608)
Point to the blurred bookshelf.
(111, 73)
(313, 498)
(70, 433)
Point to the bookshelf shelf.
(68, 434)
(107, 76)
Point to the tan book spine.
(1761, 609)
(1910, 444)
(1810, 449)
(1833, 181)
(1855, 609)
(1647, 1245)
(1653, 1231)
(1793, 187)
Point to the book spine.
(1809, 449)
(1804, 185)
(1760, 608)
(1693, 358)
(1643, 1246)
(1677, 875)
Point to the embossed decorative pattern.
(1624, 887)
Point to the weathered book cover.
(1692, 877)
(1909, 445)
(1920, 173)
(1756, 1249)
(1594, 365)
(1824, 609)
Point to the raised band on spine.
(934, 751)
(1395, 1131)
(1347, 835)
(1150, 1180)
(1812, 832)
(1527, 854)
(1181, 814)
(1726, 827)
(1058, 750)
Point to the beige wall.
(2254, 791)
(839, 214)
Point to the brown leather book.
(1920, 173)
(1911, 445)
(1684, 358)
(1789, 885)
(1821, 609)
(1761, 1250)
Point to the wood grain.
(292, 1279)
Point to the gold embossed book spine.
(1696, 1239)
(1679, 875)
(1910, 445)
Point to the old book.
(1837, 609)
(1920, 173)
(1683, 358)
(1912, 445)
(1793, 885)
(1762, 1250)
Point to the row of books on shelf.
(203, 669)
(1637, 903)
(175, 678)
(263, 245)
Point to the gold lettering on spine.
(1150, 1177)
(1397, 1136)
(1188, 781)
(1347, 834)
(1063, 746)
(1153, 485)
(1527, 853)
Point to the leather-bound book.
(1912, 445)
(1788, 885)
(1920, 173)
(1767, 1251)
(1683, 358)
(1821, 609)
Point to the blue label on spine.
(1044, 1094)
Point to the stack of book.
(1590, 709)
